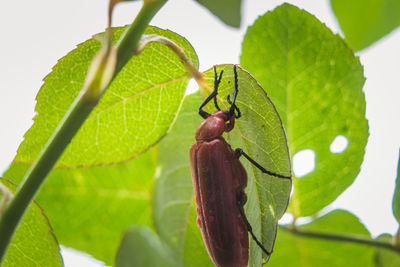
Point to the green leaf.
(385, 257)
(316, 83)
(294, 250)
(396, 196)
(91, 208)
(259, 132)
(364, 22)
(135, 112)
(226, 10)
(34, 243)
(173, 206)
(141, 247)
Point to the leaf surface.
(229, 11)
(133, 114)
(34, 243)
(173, 205)
(142, 247)
(316, 83)
(294, 250)
(91, 208)
(364, 22)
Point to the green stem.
(5, 197)
(341, 238)
(131, 37)
(70, 124)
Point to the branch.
(341, 238)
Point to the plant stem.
(341, 238)
(5, 197)
(71, 123)
(130, 38)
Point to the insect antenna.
(217, 81)
(213, 95)
(233, 107)
(239, 114)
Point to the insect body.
(219, 180)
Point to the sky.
(35, 34)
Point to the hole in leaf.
(303, 162)
(339, 144)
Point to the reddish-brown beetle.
(219, 180)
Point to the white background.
(35, 34)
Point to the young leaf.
(316, 83)
(141, 247)
(364, 22)
(134, 113)
(396, 196)
(226, 10)
(91, 208)
(294, 250)
(34, 243)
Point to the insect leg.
(213, 95)
(249, 228)
(240, 152)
